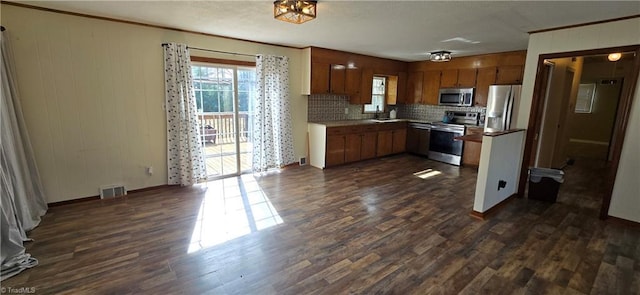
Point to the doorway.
(224, 95)
(574, 122)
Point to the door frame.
(620, 124)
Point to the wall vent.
(303, 161)
(111, 191)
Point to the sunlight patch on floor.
(232, 207)
(424, 174)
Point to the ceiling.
(402, 30)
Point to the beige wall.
(625, 202)
(597, 126)
(555, 109)
(92, 93)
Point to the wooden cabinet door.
(337, 79)
(471, 152)
(414, 87)
(392, 90)
(509, 75)
(335, 150)
(430, 87)
(486, 78)
(449, 78)
(366, 84)
(320, 78)
(466, 78)
(353, 144)
(385, 143)
(369, 145)
(352, 85)
(402, 88)
(399, 140)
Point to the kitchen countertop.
(478, 137)
(366, 122)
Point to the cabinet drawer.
(354, 129)
(337, 130)
(369, 128)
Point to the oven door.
(443, 147)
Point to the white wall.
(625, 202)
(92, 93)
(497, 157)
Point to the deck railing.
(219, 127)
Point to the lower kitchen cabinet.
(471, 151)
(335, 150)
(399, 141)
(392, 139)
(385, 143)
(368, 150)
(331, 146)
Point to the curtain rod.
(217, 51)
(224, 52)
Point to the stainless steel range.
(442, 145)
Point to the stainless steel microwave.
(460, 97)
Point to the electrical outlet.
(501, 184)
(346, 111)
(150, 170)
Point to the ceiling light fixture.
(440, 56)
(294, 11)
(614, 56)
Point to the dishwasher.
(418, 135)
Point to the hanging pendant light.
(440, 56)
(294, 11)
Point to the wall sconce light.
(440, 56)
(614, 56)
(294, 11)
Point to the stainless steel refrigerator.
(502, 107)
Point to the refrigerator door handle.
(509, 109)
(505, 112)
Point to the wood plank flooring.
(366, 228)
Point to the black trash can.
(544, 183)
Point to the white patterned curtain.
(272, 135)
(185, 158)
(22, 200)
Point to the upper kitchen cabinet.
(366, 86)
(353, 85)
(392, 90)
(430, 87)
(477, 71)
(509, 74)
(414, 87)
(338, 72)
(320, 75)
(458, 78)
(486, 78)
(328, 78)
(337, 77)
(402, 87)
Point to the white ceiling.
(403, 30)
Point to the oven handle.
(448, 129)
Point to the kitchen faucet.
(377, 114)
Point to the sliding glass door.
(224, 95)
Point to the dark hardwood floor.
(367, 228)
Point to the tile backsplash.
(328, 107)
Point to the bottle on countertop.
(393, 114)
